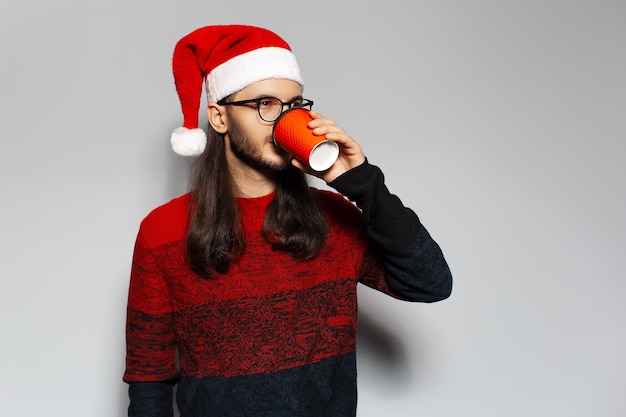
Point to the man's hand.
(350, 152)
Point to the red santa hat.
(226, 59)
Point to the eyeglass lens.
(270, 108)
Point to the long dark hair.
(293, 223)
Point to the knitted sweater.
(275, 336)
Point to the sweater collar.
(252, 211)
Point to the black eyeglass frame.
(306, 104)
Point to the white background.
(502, 123)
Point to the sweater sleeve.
(150, 343)
(414, 264)
(151, 399)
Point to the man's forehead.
(279, 88)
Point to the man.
(243, 292)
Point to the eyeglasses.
(270, 108)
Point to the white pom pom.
(188, 142)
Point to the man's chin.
(280, 161)
(272, 163)
(279, 164)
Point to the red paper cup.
(292, 134)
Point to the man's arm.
(150, 353)
(151, 399)
(414, 264)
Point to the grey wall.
(500, 122)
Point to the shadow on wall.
(383, 361)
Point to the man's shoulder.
(167, 222)
(175, 207)
(336, 206)
(329, 197)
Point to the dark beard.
(243, 149)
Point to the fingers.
(323, 126)
(321, 123)
(350, 153)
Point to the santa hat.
(226, 59)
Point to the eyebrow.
(296, 97)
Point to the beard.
(249, 153)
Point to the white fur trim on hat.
(188, 142)
(246, 69)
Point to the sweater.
(274, 336)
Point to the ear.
(217, 118)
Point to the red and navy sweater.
(275, 336)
